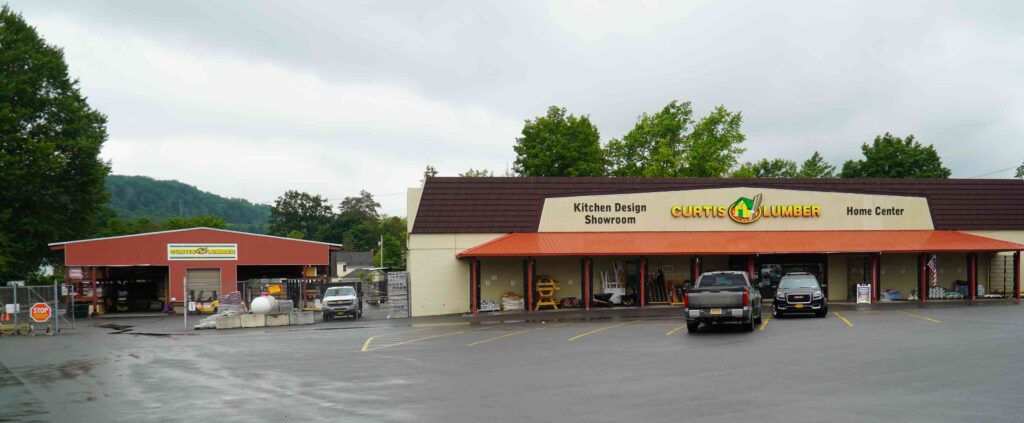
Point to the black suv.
(799, 292)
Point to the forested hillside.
(135, 197)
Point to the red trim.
(643, 280)
(529, 284)
(874, 278)
(472, 287)
(1016, 275)
(972, 276)
(750, 268)
(586, 283)
(922, 272)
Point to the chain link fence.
(33, 310)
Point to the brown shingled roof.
(497, 205)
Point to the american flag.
(933, 265)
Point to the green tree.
(430, 172)
(51, 176)
(356, 224)
(656, 146)
(670, 144)
(894, 157)
(299, 212)
(714, 145)
(474, 173)
(764, 168)
(394, 256)
(559, 144)
(396, 229)
(295, 235)
(1020, 172)
(195, 222)
(817, 167)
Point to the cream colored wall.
(566, 270)
(1010, 236)
(837, 284)
(680, 267)
(438, 282)
(498, 275)
(899, 272)
(412, 205)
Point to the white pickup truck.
(342, 301)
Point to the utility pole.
(381, 245)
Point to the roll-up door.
(203, 283)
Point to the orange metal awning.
(721, 243)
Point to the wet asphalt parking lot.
(916, 364)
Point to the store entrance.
(135, 289)
(769, 270)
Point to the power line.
(993, 173)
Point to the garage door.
(205, 280)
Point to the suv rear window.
(721, 280)
(797, 282)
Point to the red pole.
(529, 284)
(972, 276)
(586, 283)
(874, 278)
(922, 271)
(750, 268)
(643, 279)
(1016, 275)
(472, 286)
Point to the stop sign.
(40, 312)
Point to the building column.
(972, 276)
(587, 282)
(922, 277)
(531, 268)
(695, 268)
(750, 268)
(1016, 275)
(875, 282)
(643, 281)
(474, 286)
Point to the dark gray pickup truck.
(722, 297)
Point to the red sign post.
(40, 312)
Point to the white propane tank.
(263, 305)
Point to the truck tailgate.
(716, 299)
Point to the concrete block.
(253, 320)
(277, 320)
(229, 322)
(301, 318)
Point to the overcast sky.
(249, 99)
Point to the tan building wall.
(438, 282)
(837, 277)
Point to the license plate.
(716, 311)
(799, 306)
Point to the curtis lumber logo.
(746, 210)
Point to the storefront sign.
(734, 209)
(863, 293)
(747, 210)
(202, 251)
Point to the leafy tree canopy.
(51, 176)
(817, 167)
(1020, 172)
(299, 212)
(116, 226)
(559, 144)
(430, 172)
(764, 168)
(474, 173)
(894, 157)
(670, 143)
(140, 196)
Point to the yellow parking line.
(519, 332)
(428, 337)
(764, 323)
(367, 343)
(919, 316)
(840, 316)
(673, 331)
(596, 331)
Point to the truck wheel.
(327, 317)
(691, 327)
(757, 321)
(821, 313)
(749, 325)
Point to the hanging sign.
(202, 251)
